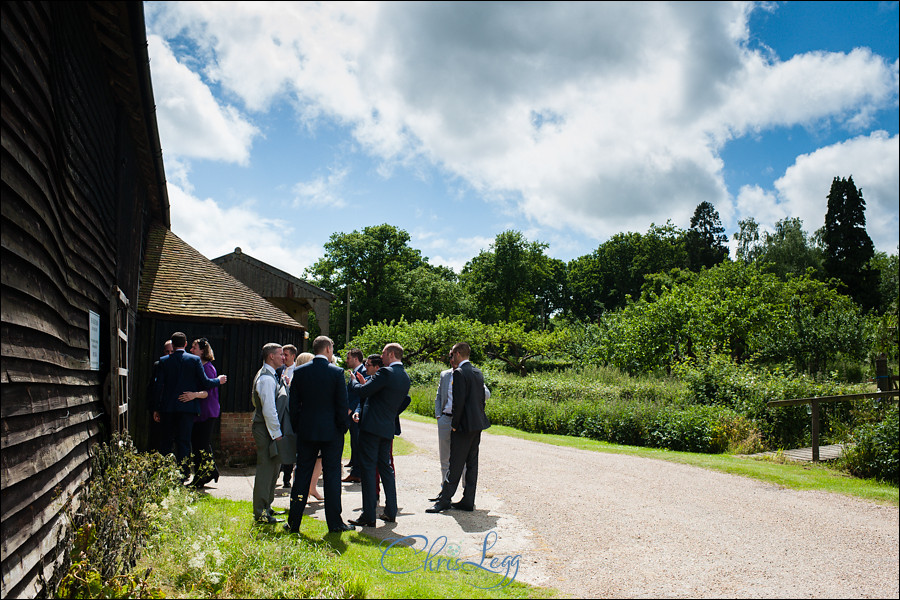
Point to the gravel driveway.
(602, 525)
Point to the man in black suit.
(469, 419)
(355, 361)
(318, 406)
(380, 400)
(178, 373)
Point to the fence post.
(882, 374)
(815, 430)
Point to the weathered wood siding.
(75, 212)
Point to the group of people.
(321, 407)
(185, 402)
(303, 406)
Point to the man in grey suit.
(381, 399)
(468, 421)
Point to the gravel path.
(602, 525)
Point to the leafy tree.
(586, 302)
(739, 310)
(705, 240)
(426, 292)
(848, 248)
(508, 281)
(372, 262)
(889, 281)
(747, 238)
(615, 271)
(789, 251)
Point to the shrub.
(110, 521)
(876, 451)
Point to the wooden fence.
(887, 386)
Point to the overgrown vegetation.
(110, 522)
(209, 548)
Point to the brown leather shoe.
(351, 479)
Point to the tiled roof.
(179, 281)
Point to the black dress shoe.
(361, 523)
(268, 520)
(387, 519)
(438, 507)
(341, 528)
(461, 506)
(435, 499)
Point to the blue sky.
(283, 123)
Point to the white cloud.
(191, 122)
(593, 117)
(322, 191)
(874, 163)
(214, 231)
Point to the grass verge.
(798, 476)
(208, 548)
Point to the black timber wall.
(238, 351)
(74, 220)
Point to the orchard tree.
(705, 240)
(848, 248)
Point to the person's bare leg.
(313, 489)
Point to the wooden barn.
(83, 181)
(291, 294)
(182, 290)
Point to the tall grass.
(712, 407)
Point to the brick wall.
(236, 438)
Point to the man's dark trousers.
(375, 454)
(463, 453)
(307, 453)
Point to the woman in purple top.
(201, 437)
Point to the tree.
(848, 248)
(789, 250)
(616, 270)
(426, 292)
(372, 263)
(747, 238)
(507, 281)
(705, 240)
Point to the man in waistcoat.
(266, 431)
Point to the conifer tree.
(848, 248)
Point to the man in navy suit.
(178, 373)
(355, 364)
(380, 400)
(468, 421)
(318, 407)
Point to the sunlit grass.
(208, 548)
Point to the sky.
(283, 123)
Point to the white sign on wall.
(94, 327)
